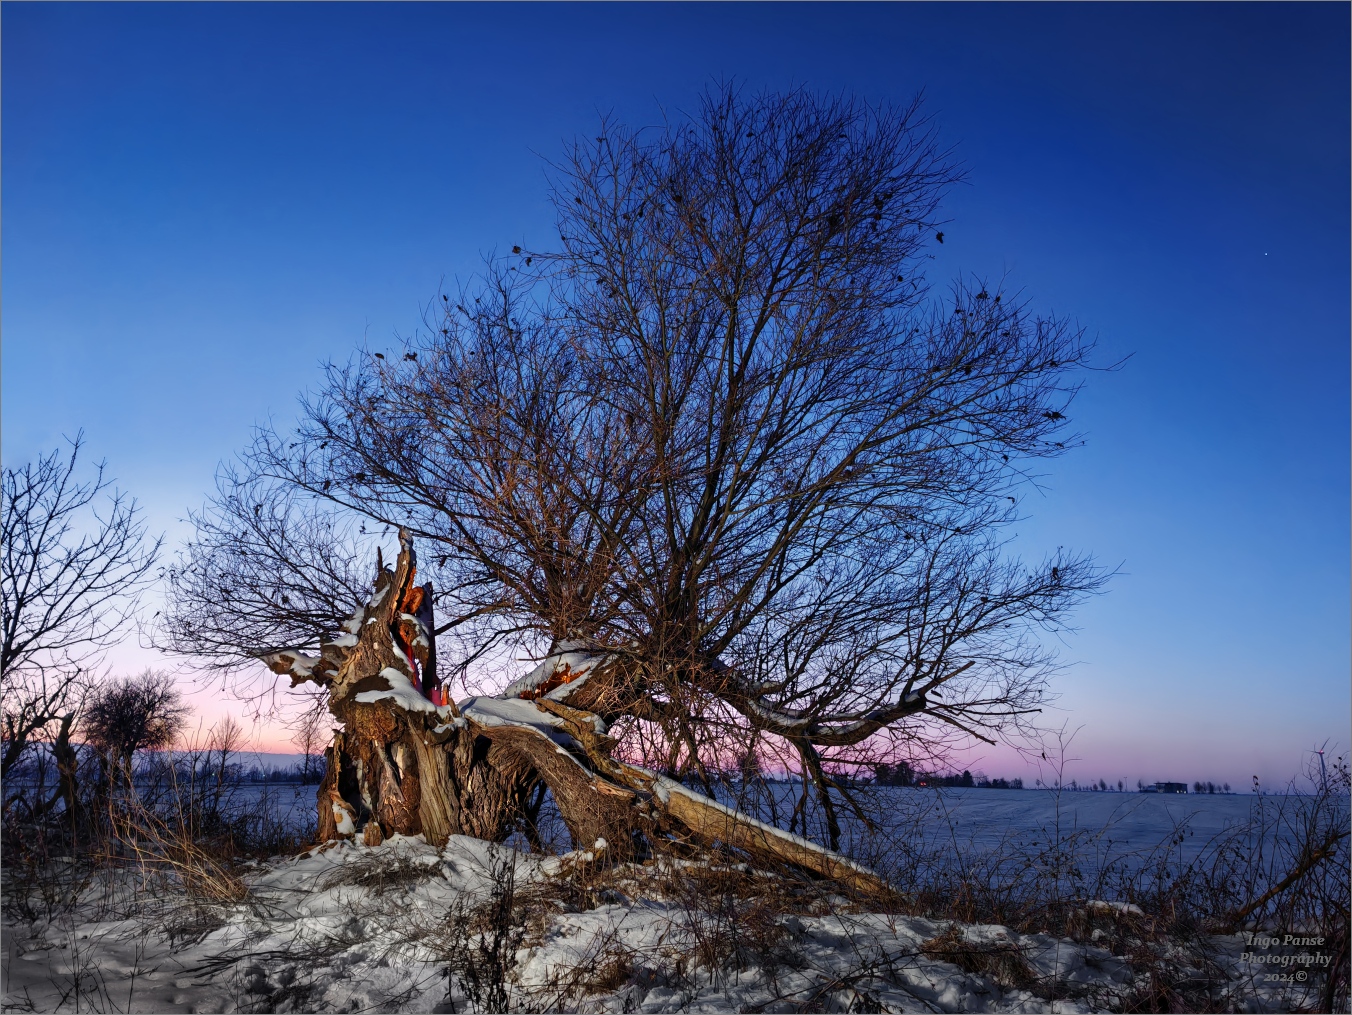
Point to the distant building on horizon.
(1166, 787)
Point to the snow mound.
(345, 927)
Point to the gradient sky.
(202, 202)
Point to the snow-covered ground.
(407, 927)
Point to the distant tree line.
(311, 771)
(902, 774)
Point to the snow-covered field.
(356, 929)
(978, 819)
(985, 819)
(1138, 818)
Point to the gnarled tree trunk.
(409, 761)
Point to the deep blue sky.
(201, 202)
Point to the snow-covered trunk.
(397, 772)
(407, 761)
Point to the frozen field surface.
(1126, 827)
(983, 818)
(986, 818)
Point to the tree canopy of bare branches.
(141, 713)
(725, 433)
(73, 562)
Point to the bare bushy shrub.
(141, 713)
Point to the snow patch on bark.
(488, 711)
(404, 694)
(298, 663)
(570, 654)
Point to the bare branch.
(73, 563)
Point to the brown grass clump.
(167, 854)
(610, 970)
(380, 873)
(1000, 961)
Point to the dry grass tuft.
(380, 873)
(1000, 961)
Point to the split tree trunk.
(403, 763)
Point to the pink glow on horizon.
(1093, 753)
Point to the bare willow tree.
(141, 713)
(725, 439)
(73, 561)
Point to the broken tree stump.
(404, 764)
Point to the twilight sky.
(203, 202)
